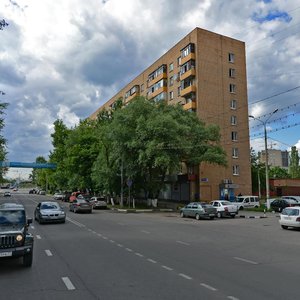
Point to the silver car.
(49, 212)
(81, 205)
(98, 202)
(198, 210)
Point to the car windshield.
(225, 202)
(290, 212)
(12, 217)
(239, 199)
(49, 206)
(82, 200)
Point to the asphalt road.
(110, 255)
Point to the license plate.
(287, 218)
(211, 215)
(5, 254)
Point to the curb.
(252, 217)
(124, 210)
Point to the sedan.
(280, 204)
(48, 212)
(198, 210)
(290, 217)
(81, 205)
(225, 208)
(98, 202)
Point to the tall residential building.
(206, 73)
(276, 158)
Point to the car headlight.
(62, 212)
(19, 237)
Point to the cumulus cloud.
(64, 59)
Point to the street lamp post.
(266, 150)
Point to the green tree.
(3, 151)
(294, 168)
(40, 175)
(277, 172)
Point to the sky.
(64, 59)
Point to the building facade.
(206, 73)
(276, 158)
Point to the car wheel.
(197, 217)
(232, 216)
(241, 208)
(27, 260)
(219, 215)
(284, 227)
(182, 215)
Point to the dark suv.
(15, 240)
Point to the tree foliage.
(294, 169)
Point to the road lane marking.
(112, 241)
(139, 254)
(209, 287)
(246, 260)
(122, 224)
(75, 222)
(232, 298)
(185, 276)
(183, 243)
(68, 283)
(38, 237)
(128, 249)
(99, 234)
(120, 245)
(32, 227)
(105, 238)
(145, 231)
(152, 260)
(48, 252)
(167, 268)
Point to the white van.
(246, 202)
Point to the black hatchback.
(280, 204)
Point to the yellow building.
(206, 73)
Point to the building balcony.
(190, 105)
(136, 94)
(158, 78)
(191, 72)
(158, 91)
(188, 90)
(187, 58)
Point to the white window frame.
(171, 67)
(235, 152)
(233, 120)
(171, 95)
(231, 57)
(234, 136)
(235, 170)
(231, 72)
(233, 104)
(232, 88)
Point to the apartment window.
(234, 136)
(162, 69)
(142, 87)
(235, 170)
(233, 120)
(190, 48)
(178, 91)
(231, 57)
(178, 61)
(157, 86)
(171, 80)
(187, 66)
(160, 97)
(235, 152)
(171, 95)
(171, 67)
(232, 88)
(231, 73)
(233, 104)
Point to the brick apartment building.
(206, 73)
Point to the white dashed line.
(104, 237)
(38, 237)
(128, 249)
(246, 260)
(32, 227)
(183, 243)
(167, 268)
(145, 231)
(139, 254)
(48, 252)
(152, 260)
(120, 245)
(68, 283)
(232, 298)
(209, 287)
(112, 241)
(75, 222)
(99, 234)
(185, 276)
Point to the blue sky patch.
(272, 15)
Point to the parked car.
(98, 202)
(290, 217)
(198, 210)
(225, 208)
(280, 204)
(48, 212)
(296, 198)
(58, 196)
(42, 192)
(80, 205)
(246, 202)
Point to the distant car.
(246, 202)
(48, 212)
(225, 208)
(58, 196)
(7, 194)
(296, 198)
(198, 210)
(280, 204)
(290, 217)
(42, 192)
(80, 205)
(98, 202)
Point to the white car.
(98, 202)
(290, 217)
(246, 202)
(225, 208)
